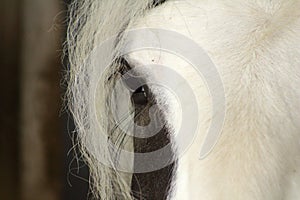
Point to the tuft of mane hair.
(91, 22)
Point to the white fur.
(255, 46)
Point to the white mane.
(91, 23)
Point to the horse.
(231, 70)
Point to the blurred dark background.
(37, 161)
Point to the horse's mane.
(91, 22)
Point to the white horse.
(255, 47)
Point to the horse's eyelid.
(135, 84)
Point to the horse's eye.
(135, 84)
(140, 96)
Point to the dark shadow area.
(37, 160)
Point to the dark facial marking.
(153, 185)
